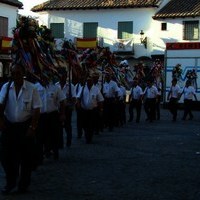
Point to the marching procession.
(46, 87)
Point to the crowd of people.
(35, 116)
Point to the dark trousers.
(173, 107)
(68, 124)
(17, 154)
(79, 121)
(158, 107)
(109, 113)
(187, 108)
(150, 108)
(89, 123)
(40, 136)
(53, 134)
(135, 104)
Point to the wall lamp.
(143, 39)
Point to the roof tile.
(93, 4)
(179, 8)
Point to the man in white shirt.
(89, 99)
(150, 94)
(173, 98)
(135, 101)
(189, 93)
(19, 117)
(68, 90)
(53, 107)
(110, 93)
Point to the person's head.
(62, 74)
(174, 81)
(17, 73)
(188, 83)
(150, 82)
(95, 76)
(89, 81)
(135, 82)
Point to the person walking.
(69, 90)
(110, 93)
(79, 112)
(19, 116)
(90, 99)
(150, 95)
(189, 93)
(173, 98)
(54, 107)
(135, 101)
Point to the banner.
(123, 45)
(85, 43)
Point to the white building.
(8, 16)
(117, 22)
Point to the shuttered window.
(3, 26)
(57, 30)
(125, 30)
(90, 30)
(191, 30)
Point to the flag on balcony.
(5, 43)
(85, 43)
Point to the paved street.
(145, 161)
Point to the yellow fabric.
(86, 43)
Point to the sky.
(28, 4)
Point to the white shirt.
(52, 96)
(78, 88)
(189, 92)
(90, 98)
(175, 91)
(121, 92)
(42, 92)
(19, 108)
(65, 91)
(136, 92)
(110, 88)
(151, 92)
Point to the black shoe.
(191, 118)
(8, 189)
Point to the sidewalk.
(145, 161)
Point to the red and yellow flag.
(84, 43)
(5, 43)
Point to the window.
(163, 26)
(191, 30)
(125, 30)
(4, 26)
(90, 30)
(57, 30)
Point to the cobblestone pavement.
(145, 161)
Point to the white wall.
(108, 24)
(108, 21)
(11, 13)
